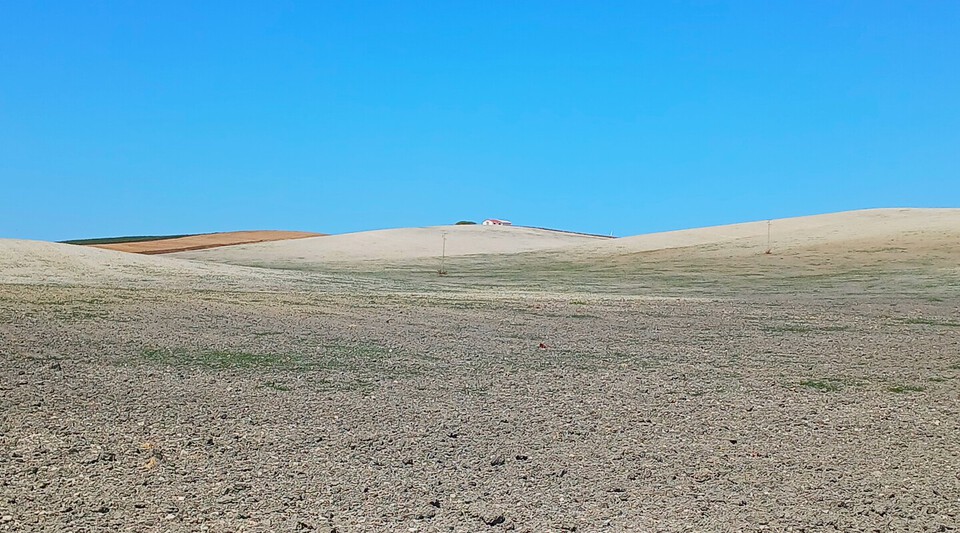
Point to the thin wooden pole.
(443, 254)
(769, 248)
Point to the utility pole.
(769, 248)
(443, 255)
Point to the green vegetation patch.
(340, 357)
(901, 389)
(931, 322)
(823, 385)
(118, 240)
(799, 328)
(221, 359)
(277, 386)
(80, 314)
(786, 328)
(592, 359)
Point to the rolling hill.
(179, 243)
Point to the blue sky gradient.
(125, 118)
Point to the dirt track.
(205, 241)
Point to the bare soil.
(158, 409)
(704, 387)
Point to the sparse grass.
(80, 314)
(930, 322)
(364, 351)
(277, 386)
(900, 389)
(591, 359)
(823, 385)
(221, 359)
(786, 328)
(88, 301)
(881, 250)
(800, 328)
(475, 387)
(455, 304)
(342, 358)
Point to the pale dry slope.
(909, 238)
(871, 230)
(204, 241)
(46, 263)
(393, 245)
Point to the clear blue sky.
(121, 118)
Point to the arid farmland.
(672, 382)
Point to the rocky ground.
(164, 410)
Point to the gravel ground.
(162, 410)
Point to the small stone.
(6, 518)
(494, 520)
(497, 460)
(427, 513)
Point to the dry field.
(564, 386)
(403, 244)
(204, 241)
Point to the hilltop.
(396, 245)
